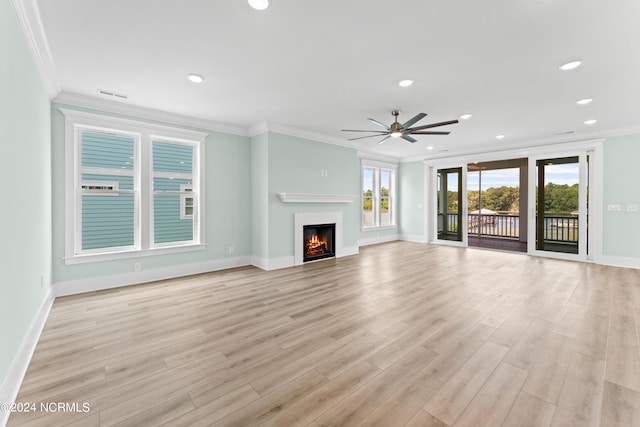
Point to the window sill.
(380, 228)
(82, 259)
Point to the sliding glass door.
(561, 206)
(450, 204)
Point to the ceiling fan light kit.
(259, 4)
(397, 130)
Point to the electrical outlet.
(137, 266)
(632, 208)
(231, 249)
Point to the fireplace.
(302, 220)
(318, 241)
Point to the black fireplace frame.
(306, 232)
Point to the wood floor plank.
(525, 350)
(620, 406)
(402, 405)
(361, 402)
(547, 374)
(493, 402)
(623, 357)
(580, 401)
(275, 402)
(592, 340)
(323, 398)
(424, 419)
(450, 360)
(529, 411)
(452, 399)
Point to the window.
(186, 202)
(153, 177)
(378, 195)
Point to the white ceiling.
(328, 65)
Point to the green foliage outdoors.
(560, 199)
(501, 199)
(367, 200)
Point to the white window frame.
(378, 167)
(143, 134)
(184, 195)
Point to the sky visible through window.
(558, 174)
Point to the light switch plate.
(613, 208)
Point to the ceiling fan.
(397, 130)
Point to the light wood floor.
(403, 334)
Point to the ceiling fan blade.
(375, 122)
(359, 130)
(363, 137)
(430, 133)
(408, 138)
(432, 125)
(415, 119)
(384, 139)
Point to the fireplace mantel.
(316, 198)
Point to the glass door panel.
(558, 205)
(450, 204)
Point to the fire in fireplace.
(318, 241)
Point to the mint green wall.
(228, 207)
(411, 203)
(259, 195)
(25, 217)
(621, 230)
(295, 166)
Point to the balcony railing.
(557, 228)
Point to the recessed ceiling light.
(499, 136)
(590, 122)
(570, 65)
(584, 101)
(465, 116)
(195, 78)
(259, 4)
(429, 148)
(405, 82)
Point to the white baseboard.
(72, 287)
(268, 264)
(618, 261)
(349, 250)
(378, 239)
(11, 384)
(260, 262)
(282, 262)
(415, 238)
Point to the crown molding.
(28, 15)
(258, 129)
(533, 144)
(131, 110)
(364, 155)
(264, 126)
